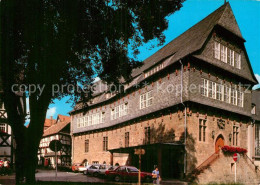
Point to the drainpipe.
(185, 120)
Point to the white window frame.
(217, 50)
(237, 60)
(119, 111)
(204, 87)
(240, 99)
(78, 123)
(146, 100)
(233, 96)
(226, 97)
(231, 57)
(219, 92)
(3, 127)
(212, 89)
(223, 53)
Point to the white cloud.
(51, 111)
(258, 79)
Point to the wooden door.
(219, 143)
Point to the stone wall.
(165, 125)
(223, 170)
(199, 151)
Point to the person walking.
(156, 176)
(6, 166)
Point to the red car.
(75, 167)
(127, 173)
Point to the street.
(49, 176)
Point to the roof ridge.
(216, 12)
(222, 18)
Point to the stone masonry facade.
(178, 102)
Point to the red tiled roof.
(56, 128)
(63, 118)
(49, 122)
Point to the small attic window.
(154, 70)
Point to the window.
(127, 139)
(226, 94)
(233, 96)
(222, 93)
(132, 169)
(253, 110)
(85, 121)
(240, 99)
(121, 169)
(204, 87)
(257, 140)
(217, 50)
(78, 123)
(154, 70)
(146, 100)
(105, 143)
(119, 111)
(223, 54)
(235, 135)
(92, 119)
(219, 92)
(227, 55)
(237, 60)
(147, 135)
(231, 57)
(202, 130)
(3, 127)
(212, 89)
(86, 145)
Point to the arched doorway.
(219, 143)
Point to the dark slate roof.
(186, 44)
(256, 101)
(194, 38)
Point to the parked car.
(83, 168)
(103, 168)
(93, 170)
(75, 167)
(127, 173)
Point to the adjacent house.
(255, 133)
(182, 106)
(6, 137)
(59, 130)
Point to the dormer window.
(227, 55)
(154, 70)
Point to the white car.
(83, 169)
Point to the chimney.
(51, 120)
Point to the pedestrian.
(6, 165)
(156, 176)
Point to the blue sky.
(247, 13)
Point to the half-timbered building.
(60, 130)
(6, 137)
